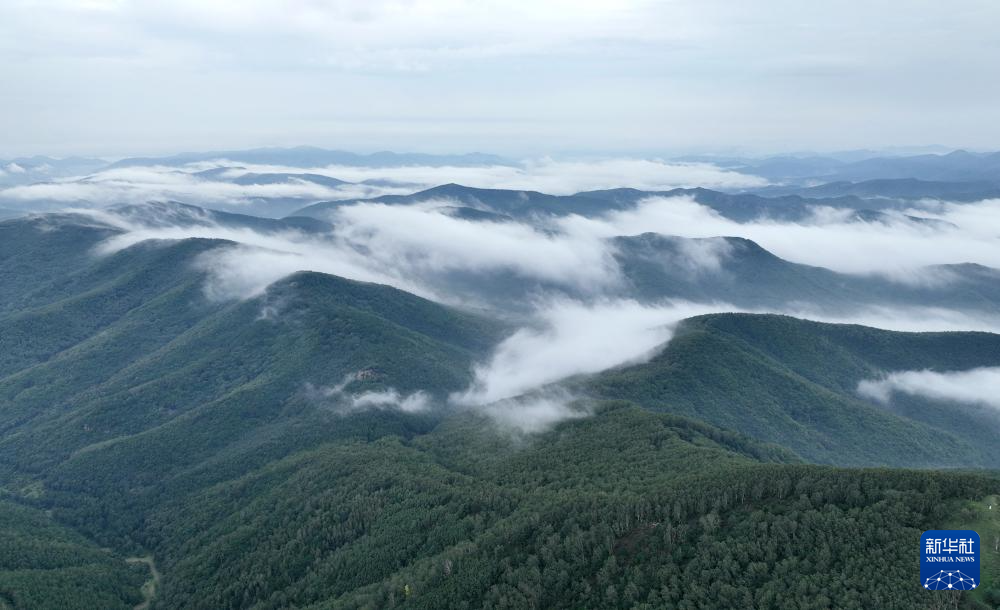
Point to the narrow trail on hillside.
(151, 586)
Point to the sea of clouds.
(590, 325)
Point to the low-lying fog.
(581, 316)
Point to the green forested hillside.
(511, 203)
(741, 272)
(794, 383)
(624, 509)
(46, 565)
(34, 251)
(222, 438)
(178, 372)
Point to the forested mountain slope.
(46, 565)
(794, 382)
(623, 509)
(740, 272)
(183, 371)
(519, 204)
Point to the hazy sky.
(121, 77)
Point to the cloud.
(410, 248)
(898, 318)
(557, 177)
(896, 248)
(568, 176)
(388, 399)
(417, 248)
(535, 412)
(255, 260)
(701, 255)
(162, 183)
(564, 177)
(142, 184)
(420, 239)
(979, 386)
(391, 399)
(518, 385)
(572, 338)
(414, 247)
(243, 271)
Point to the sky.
(515, 77)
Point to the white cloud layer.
(896, 248)
(424, 240)
(900, 318)
(979, 386)
(159, 183)
(569, 338)
(413, 247)
(546, 175)
(388, 399)
(535, 412)
(573, 338)
(518, 74)
(402, 247)
(409, 247)
(391, 399)
(403, 241)
(142, 184)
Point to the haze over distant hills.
(954, 166)
(311, 156)
(27, 170)
(278, 182)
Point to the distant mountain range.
(28, 170)
(869, 185)
(740, 207)
(310, 156)
(744, 274)
(901, 190)
(176, 214)
(956, 166)
(653, 267)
